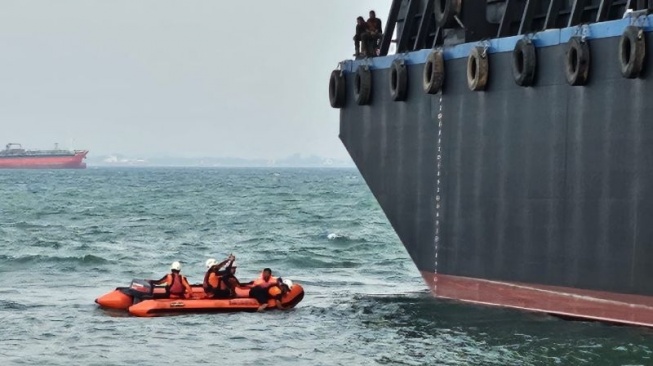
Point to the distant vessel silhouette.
(15, 157)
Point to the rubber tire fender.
(398, 80)
(363, 85)
(478, 68)
(433, 77)
(337, 90)
(577, 61)
(524, 62)
(632, 51)
(445, 12)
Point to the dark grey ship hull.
(537, 197)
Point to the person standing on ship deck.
(373, 35)
(361, 28)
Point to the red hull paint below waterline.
(595, 305)
(44, 162)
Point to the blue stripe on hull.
(551, 37)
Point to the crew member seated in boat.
(273, 292)
(372, 37)
(361, 28)
(177, 286)
(214, 286)
(266, 279)
(229, 277)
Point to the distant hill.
(296, 160)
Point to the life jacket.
(211, 280)
(176, 284)
(263, 283)
(275, 292)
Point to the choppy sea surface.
(67, 237)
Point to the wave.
(44, 243)
(32, 225)
(96, 229)
(342, 238)
(312, 263)
(12, 305)
(87, 259)
(335, 236)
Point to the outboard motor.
(141, 286)
(141, 290)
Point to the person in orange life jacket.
(266, 279)
(214, 286)
(274, 292)
(260, 286)
(229, 277)
(176, 284)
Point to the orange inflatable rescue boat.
(143, 299)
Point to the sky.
(187, 78)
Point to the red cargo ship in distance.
(15, 157)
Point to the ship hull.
(564, 301)
(44, 162)
(537, 198)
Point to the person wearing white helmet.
(177, 286)
(214, 284)
(288, 283)
(229, 278)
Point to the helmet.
(176, 266)
(287, 283)
(211, 262)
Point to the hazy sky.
(185, 78)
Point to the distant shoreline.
(292, 161)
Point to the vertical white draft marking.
(438, 197)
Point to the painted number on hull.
(240, 302)
(177, 304)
